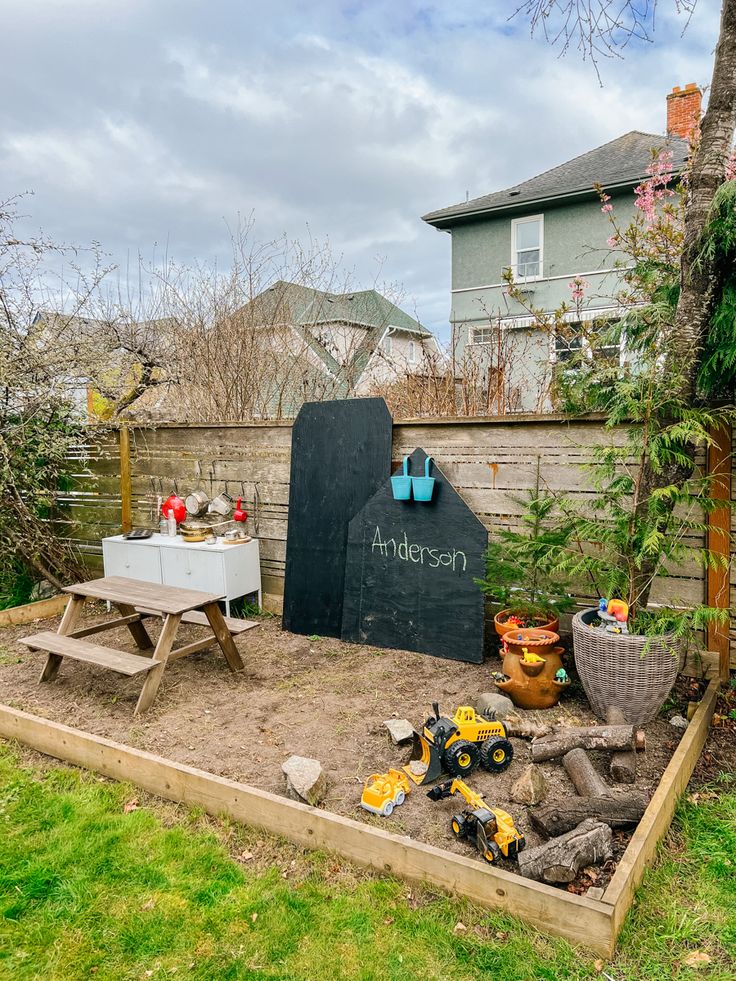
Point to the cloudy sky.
(144, 123)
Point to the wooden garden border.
(589, 923)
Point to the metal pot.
(194, 531)
(197, 503)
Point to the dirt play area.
(315, 697)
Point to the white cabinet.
(226, 570)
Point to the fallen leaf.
(254, 917)
(149, 904)
(598, 965)
(132, 805)
(502, 935)
(698, 958)
(245, 856)
(389, 920)
(459, 928)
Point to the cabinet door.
(193, 569)
(134, 560)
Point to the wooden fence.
(492, 462)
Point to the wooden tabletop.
(134, 592)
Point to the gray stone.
(678, 722)
(530, 788)
(306, 781)
(400, 730)
(494, 701)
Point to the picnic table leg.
(163, 648)
(139, 632)
(224, 637)
(67, 625)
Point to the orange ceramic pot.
(502, 627)
(532, 684)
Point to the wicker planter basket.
(614, 670)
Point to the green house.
(547, 230)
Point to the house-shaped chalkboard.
(409, 578)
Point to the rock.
(306, 781)
(678, 722)
(493, 701)
(530, 788)
(400, 731)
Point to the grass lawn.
(90, 887)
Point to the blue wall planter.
(423, 487)
(401, 485)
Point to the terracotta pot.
(533, 685)
(532, 638)
(502, 628)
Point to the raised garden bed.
(327, 699)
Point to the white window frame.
(515, 222)
(386, 344)
(586, 349)
(412, 352)
(475, 331)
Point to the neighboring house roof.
(621, 163)
(304, 306)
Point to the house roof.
(620, 163)
(304, 306)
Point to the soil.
(315, 697)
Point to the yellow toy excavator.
(492, 829)
(457, 745)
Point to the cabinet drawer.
(193, 570)
(134, 560)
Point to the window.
(386, 344)
(482, 335)
(594, 342)
(568, 345)
(412, 352)
(527, 247)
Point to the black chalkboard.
(410, 571)
(340, 455)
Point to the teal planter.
(401, 485)
(423, 487)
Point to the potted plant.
(520, 577)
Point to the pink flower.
(607, 209)
(612, 242)
(731, 166)
(656, 186)
(577, 286)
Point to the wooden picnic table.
(137, 601)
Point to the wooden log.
(584, 776)
(585, 737)
(620, 810)
(523, 729)
(622, 766)
(560, 859)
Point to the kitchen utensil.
(239, 514)
(196, 503)
(177, 506)
(222, 504)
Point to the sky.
(151, 125)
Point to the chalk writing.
(408, 551)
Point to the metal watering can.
(423, 487)
(401, 485)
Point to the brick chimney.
(683, 110)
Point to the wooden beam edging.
(718, 586)
(582, 921)
(658, 815)
(38, 610)
(126, 487)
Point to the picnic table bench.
(136, 601)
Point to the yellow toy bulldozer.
(458, 745)
(492, 829)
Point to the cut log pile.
(560, 859)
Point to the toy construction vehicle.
(491, 829)
(457, 745)
(384, 791)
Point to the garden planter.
(533, 685)
(401, 484)
(502, 627)
(629, 671)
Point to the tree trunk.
(620, 810)
(586, 737)
(560, 859)
(694, 307)
(622, 766)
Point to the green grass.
(87, 890)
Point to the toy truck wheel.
(461, 758)
(496, 754)
(387, 808)
(492, 852)
(399, 798)
(459, 826)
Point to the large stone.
(678, 722)
(530, 788)
(400, 730)
(494, 701)
(306, 781)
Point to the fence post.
(719, 542)
(126, 491)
